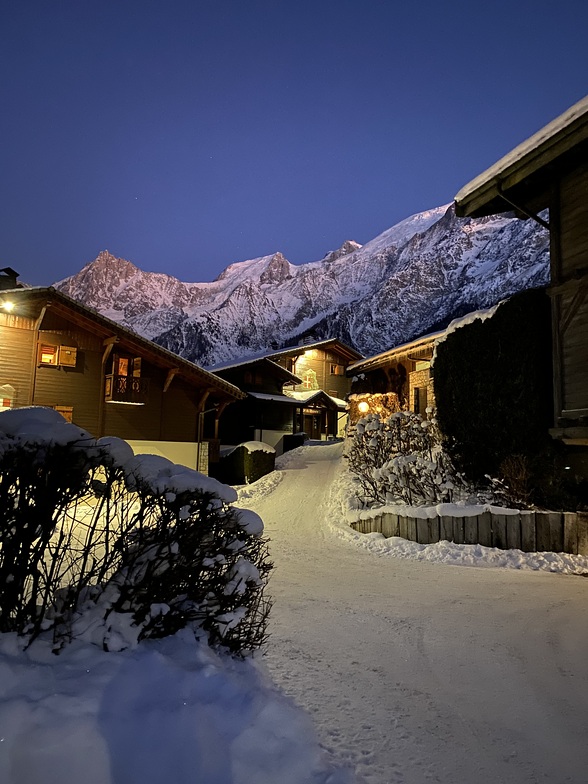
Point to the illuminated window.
(48, 354)
(309, 380)
(65, 411)
(7, 392)
(337, 370)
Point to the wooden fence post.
(485, 529)
(446, 528)
(582, 533)
(570, 532)
(470, 530)
(528, 532)
(458, 530)
(390, 524)
(499, 531)
(513, 532)
(411, 529)
(433, 526)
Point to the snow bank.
(169, 711)
(340, 512)
(250, 494)
(426, 512)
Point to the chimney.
(8, 278)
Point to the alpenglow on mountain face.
(411, 279)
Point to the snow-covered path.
(414, 671)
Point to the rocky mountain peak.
(277, 271)
(349, 246)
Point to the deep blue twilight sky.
(185, 135)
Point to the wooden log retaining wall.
(530, 532)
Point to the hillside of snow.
(416, 275)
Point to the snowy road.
(421, 672)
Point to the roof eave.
(536, 158)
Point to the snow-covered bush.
(99, 543)
(399, 459)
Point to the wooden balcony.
(126, 389)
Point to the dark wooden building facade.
(296, 389)
(267, 414)
(550, 170)
(55, 352)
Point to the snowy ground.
(412, 668)
(415, 670)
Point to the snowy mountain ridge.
(416, 275)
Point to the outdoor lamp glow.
(8, 306)
(363, 407)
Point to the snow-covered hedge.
(399, 459)
(98, 543)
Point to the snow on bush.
(399, 459)
(115, 548)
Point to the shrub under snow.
(399, 459)
(115, 548)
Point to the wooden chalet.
(266, 414)
(296, 389)
(58, 353)
(550, 170)
(320, 365)
(397, 379)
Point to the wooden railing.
(126, 389)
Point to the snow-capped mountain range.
(409, 280)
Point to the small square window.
(68, 356)
(48, 354)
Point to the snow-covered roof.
(432, 339)
(285, 352)
(309, 396)
(380, 359)
(273, 398)
(300, 348)
(234, 364)
(482, 194)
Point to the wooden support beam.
(522, 210)
(202, 402)
(40, 318)
(107, 352)
(171, 374)
(111, 340)
(577, 301)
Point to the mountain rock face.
(413, 278)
